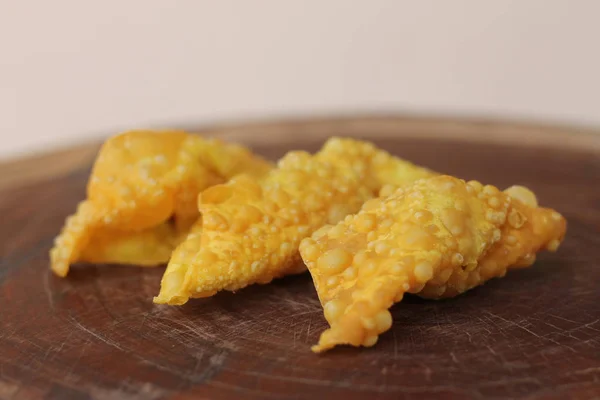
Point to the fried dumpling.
(142, 196)
(252, 228)
(437, 238)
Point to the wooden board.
(534, 334)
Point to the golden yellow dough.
(379, 167)
(252, 229)
(142, 195)
(437, 238)
(148, 247)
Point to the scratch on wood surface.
(46, 286)
(509, 381)
(137, 356)
(469, 336)
(547, 323)
(71, 369)
(454, 359)
(58, 349)
(128, 391)
(589, 326)
(523, 327)
(196, 330)
(244, 391)
(491, 350)
(354, 385)
(585, 371)
(563, 318)
(98, 336)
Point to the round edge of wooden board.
(48, 165)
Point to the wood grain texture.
(534, 334)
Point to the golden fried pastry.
(252, 229)
(380, 168)
(142, 196)
(148, 247)
(437, 238)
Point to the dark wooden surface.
(534, 334)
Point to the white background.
(72, 70)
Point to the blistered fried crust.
(142, 196)
(437, 238)
(377, 166)
(252, 229)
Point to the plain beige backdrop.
(71, 70)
